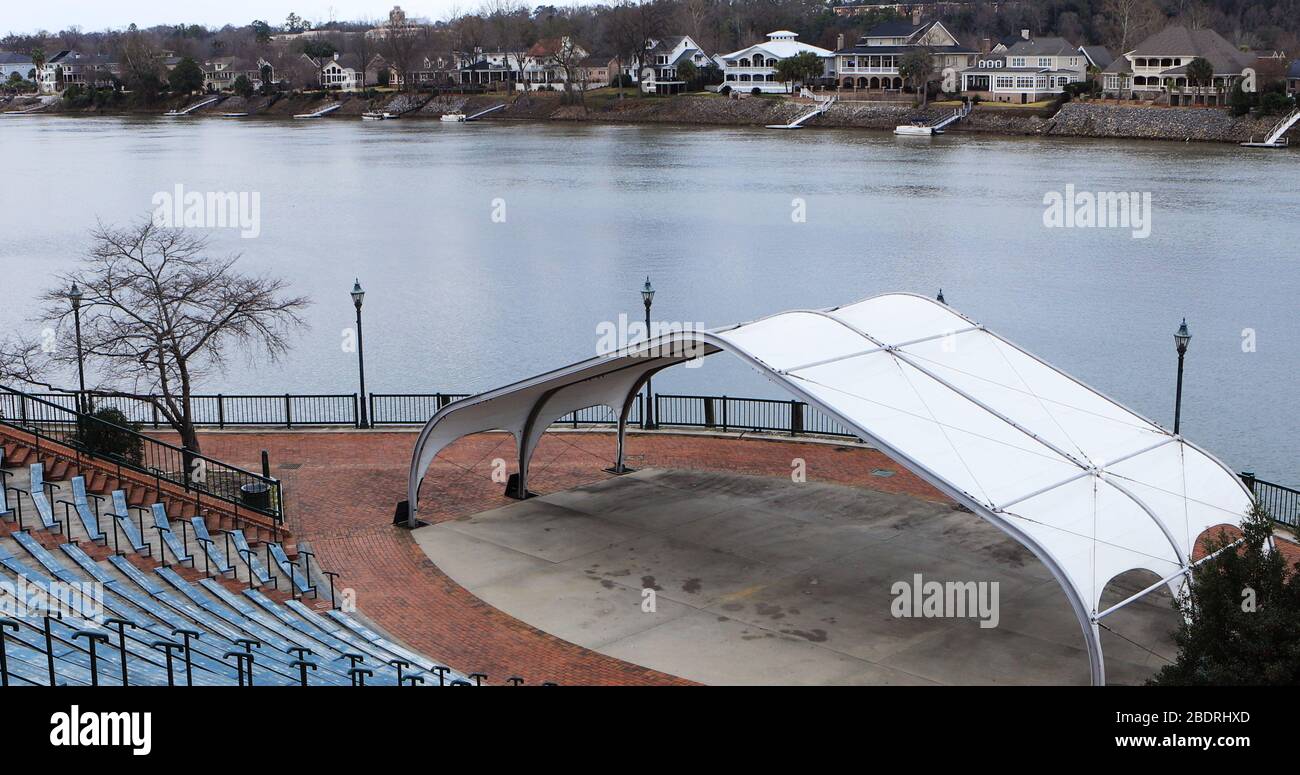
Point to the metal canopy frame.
(526, 408)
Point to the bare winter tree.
(512, 30)
(159, 313)
(401, 47)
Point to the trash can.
(256, 495)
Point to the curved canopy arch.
(1088, 486)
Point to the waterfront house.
(343, 71)
(12, 62)
(872, 63)
(657, 73)
(1293, 79)
(492, 69)
(1156, 69)
(1030, 70)
(221, 73)
(71, 67)
(599, 70)
(550, 63)
(755, 67)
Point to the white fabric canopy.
(1090, 487)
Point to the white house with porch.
(658, 73)
(1157, 68)
(1030, 70)
(872, 63)
(755, 67)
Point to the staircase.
(1275, 137)
(36, 431)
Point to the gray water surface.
(456, 302)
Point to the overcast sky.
(53, 15)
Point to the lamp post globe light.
(75, 296)
(1181, 339)
(648, 297)
(358, 296)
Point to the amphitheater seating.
(170, 539)
(216, 559)
(122, 516)
(145, 610)
(292, 572)
(36, 491)
(89, 519)
(250, 558)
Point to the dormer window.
(1017, 61)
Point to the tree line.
(621, 29)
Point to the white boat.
(914, 130)
(377, 115)
(233, 115)
(455, 117)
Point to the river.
(460, 300)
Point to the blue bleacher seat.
(82, 504)
(122, 513)
(172, 540)
(204, 538)
(250, 558)
(36, 491)
(290, 571)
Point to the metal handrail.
(163, 462)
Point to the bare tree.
(513, 31)
(159, 313)
(1130, 21)
(402, 41)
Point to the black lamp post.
(648, 296)
(1181, 339)
(358, 296)
(75, 296)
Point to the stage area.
(760, 580)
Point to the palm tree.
(1200, 73)
(38, 60)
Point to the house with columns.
(872, 63)
(1156, 69)
(755, 67)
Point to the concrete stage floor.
(764, 581)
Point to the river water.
(491, 251)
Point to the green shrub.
(114, 435)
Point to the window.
(1025, 82)
(1017, 61)
(1044, 61)
(1004, 82)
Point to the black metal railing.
(198, 476)
(220, 410)
(1281, 502)
(408, 408)
(729, 413)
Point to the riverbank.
(1074, 119)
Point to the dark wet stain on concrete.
(648, 582)
(691, 586)
(815, 636)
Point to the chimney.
(336, 56)
(916, 17)
(839, 41)
(986, 45)
(1024, 34)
